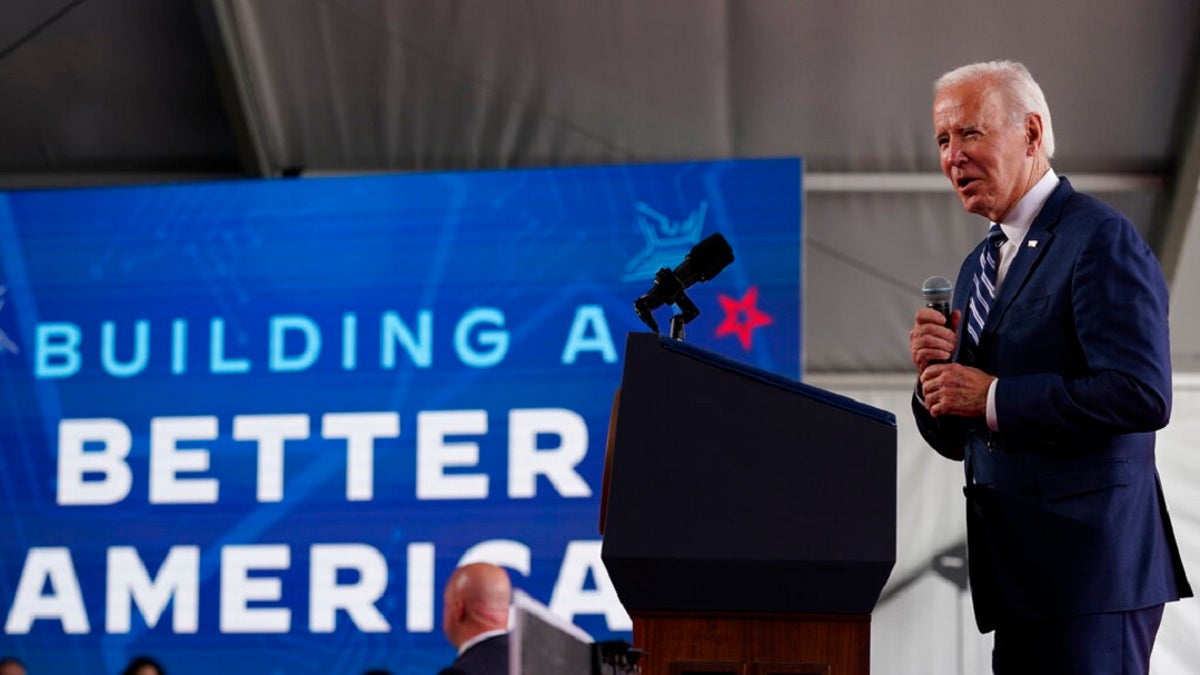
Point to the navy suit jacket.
(1065, 509)
(489, 657)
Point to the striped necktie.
(984, 291)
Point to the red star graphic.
(742, 317)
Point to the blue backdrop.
(251, 427)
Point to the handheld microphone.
(937, 292)
(703, 262)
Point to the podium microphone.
(937, 292)
(703, 262)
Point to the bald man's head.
(475, 601)
(11, 666)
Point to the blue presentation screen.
(253, 426)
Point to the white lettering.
(75, 462)
(526, 461)
(569, 597)
(270, 431)
(326, 596)
(238, 588)
(420, 588)
(360, 431)
(167, 460)
(65, 601)
(435, 454)
(129, 582)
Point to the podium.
(748, 520)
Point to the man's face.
(987, 158)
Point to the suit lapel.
(1037, 241)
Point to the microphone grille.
(937, 289)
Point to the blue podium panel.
(252, 426)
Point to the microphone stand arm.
(668, 286)
(687, 311)
(643, 312)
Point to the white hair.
(1021, 93)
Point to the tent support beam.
(1179, 209)
(218, 23)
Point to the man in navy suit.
(1049, 381)
(475, 619)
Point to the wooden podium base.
(711, 643)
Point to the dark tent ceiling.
(102, 92)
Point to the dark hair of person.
(139, 661)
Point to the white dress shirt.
(1015, 226)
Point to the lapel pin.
(1032, 243)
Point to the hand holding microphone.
(934, 334)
